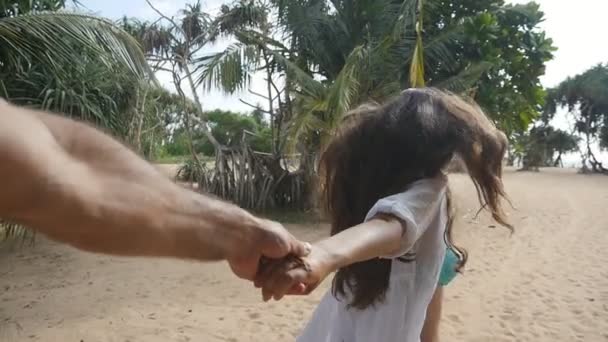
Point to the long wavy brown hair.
(380, 150)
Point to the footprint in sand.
(454, 318)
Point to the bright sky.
(578, 29)
(115, 9)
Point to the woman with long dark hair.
(386, 194)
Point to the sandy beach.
(546, 282)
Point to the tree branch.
(275, 87)
(159, 59)
(162, 69)
(164, 16)
(258, 94)
(279, 92)
(256, 107)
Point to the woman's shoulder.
(437, 183)
(418, 198)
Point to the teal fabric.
(448, 270)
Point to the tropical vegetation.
(585, 96)
(319, 58)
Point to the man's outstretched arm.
(79, 186)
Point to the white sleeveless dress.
(400, 317)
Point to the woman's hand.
(250, 243)
(293, 275)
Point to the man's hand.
(294, 275)
(269, 239)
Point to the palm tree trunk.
(558, 160)
(273, 126)
(216, 145)
(180, 91)
(140, 118)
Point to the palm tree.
(330, 56)
(80, 65)
(171, 44)
(335, 55)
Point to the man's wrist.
(234, 231)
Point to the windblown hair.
(381, 150)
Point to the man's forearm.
(79, 186)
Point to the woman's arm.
(430, 330)
(392, 227)
(374, 238)
(377, 237)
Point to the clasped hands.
(293, 275)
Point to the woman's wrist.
(332, 259)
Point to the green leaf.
(50, 39)
(229, 70)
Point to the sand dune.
(546, 282)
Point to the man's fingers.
(272, 280)
(245, 268)
(287, 282)
(266, 294)
(299, 276)
(278, 242)
(300, 248)
(271, 276)
(266, 272)
(281, 286)
(297, 289)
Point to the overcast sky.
(578, 29)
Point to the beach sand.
(546, 282)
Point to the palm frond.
(251, 37)
(241, 16)
(19, 7)
(320, 110)
(306, 121)
(53, 38)
(84, 90)
(406, 19)
(344, 92)
(438, 49)
(465, 79)
(384, 91)
(417, 64)
(317, 35)
(229, 70)
(307, 85)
